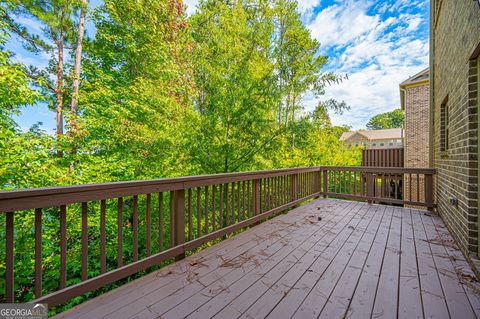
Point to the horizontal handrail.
(30, 198)
(182, 213)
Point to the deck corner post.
(429, 191)
(180, 220)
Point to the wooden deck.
(326, 259)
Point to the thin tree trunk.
(78, 62)
(59, 88)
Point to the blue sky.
(377, 43)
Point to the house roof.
(421, 76)
(391, 133)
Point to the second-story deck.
(314, 257)
(326, 259)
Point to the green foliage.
(161, 95)
(392, 119)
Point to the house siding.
(416, 138)
(455, 35)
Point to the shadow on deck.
(326, 259)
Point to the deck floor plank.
(324, 285)
(340, 298)
(410, 304)
(358, 261)
(363, 298)
(433, 297)
(228, 290)
(458, 303)
(386, 297)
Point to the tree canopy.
(156, 93)
(393, 119)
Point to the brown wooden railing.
(383, 157)
(193, 210)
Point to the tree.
(392, 119)
(235, 79)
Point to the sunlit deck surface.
(328, 259)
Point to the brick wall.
(456, 35)
(417, 103)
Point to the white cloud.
(340, 24)
(377, 51)
(305, 6)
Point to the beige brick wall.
(417, 101)
(456, 34)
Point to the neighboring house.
(374, 139)
(414, 99)
(454, 106)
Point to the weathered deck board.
(358, 261)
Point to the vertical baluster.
(120, 232)
(275, 193)
(239, 214)
(179, 198)
(249, 210)
(233, 218)
(418, 187)
(396, 184)
(220, 212)
(206, 210)
(172, 219)
(103, 237)
(9, 261)
(279, 192)
(409, 187)
(38, 252)
(135, 228)
(214, 208)
(190, 225)
(243, 200)
(148, 225)
(160, 222)
(84, 241)
(227, 218)
(63, 246)
(334, 181)
(256, 197)
(198, 213)
(354, 182)
(263, 194)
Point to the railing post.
(9, 262)
(294, 187)
(325, 183)
(256, 197)
(180, 220)
(370, 187)
(429, 190)
(316, 183)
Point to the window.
(399, 142)
(390, 143)
(364, 143)
(356, 143)
(382, 144)
(374, 144)
(444, 126)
